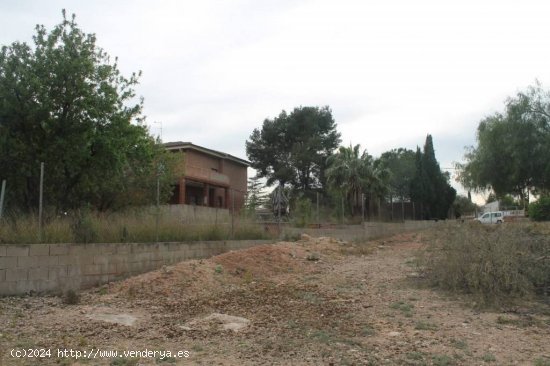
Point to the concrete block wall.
(47, 268)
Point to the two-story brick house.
(210, 178)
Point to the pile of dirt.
(259, 263)
(262, 261)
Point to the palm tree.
(352, 173)
(378, 185)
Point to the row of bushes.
(493, 263)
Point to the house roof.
(180, 145)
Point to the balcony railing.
(206, 174)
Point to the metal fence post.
(342, 209)
(2, 197)
(318, 220)
(362, 208)
(40, 202)
(232, 213)
(158, 209)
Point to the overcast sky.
(392, 71)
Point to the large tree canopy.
(293, 148)
(63, 102)
(401, 165)
(512, 155)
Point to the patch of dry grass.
(494, 263)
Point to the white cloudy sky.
(392, 71)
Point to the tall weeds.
(494, 263)
(131, 226)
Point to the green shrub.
(542, 362)
(442, 360)
(83, 228)
(302, 212)
(494, 263)
(540, 210)
(489, 357)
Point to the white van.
(496, 217)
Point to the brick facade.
(210, 178)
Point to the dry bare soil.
(315, 301)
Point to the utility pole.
(160, 123)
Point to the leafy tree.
(508, 202)
(512, 155)
(463, 205)
(293, 148)
(430, 186)
(63, 102)
(401, 165)
(255, 198)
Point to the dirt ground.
(315, 301)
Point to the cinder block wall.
(46, 268)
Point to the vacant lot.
(316, 301)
